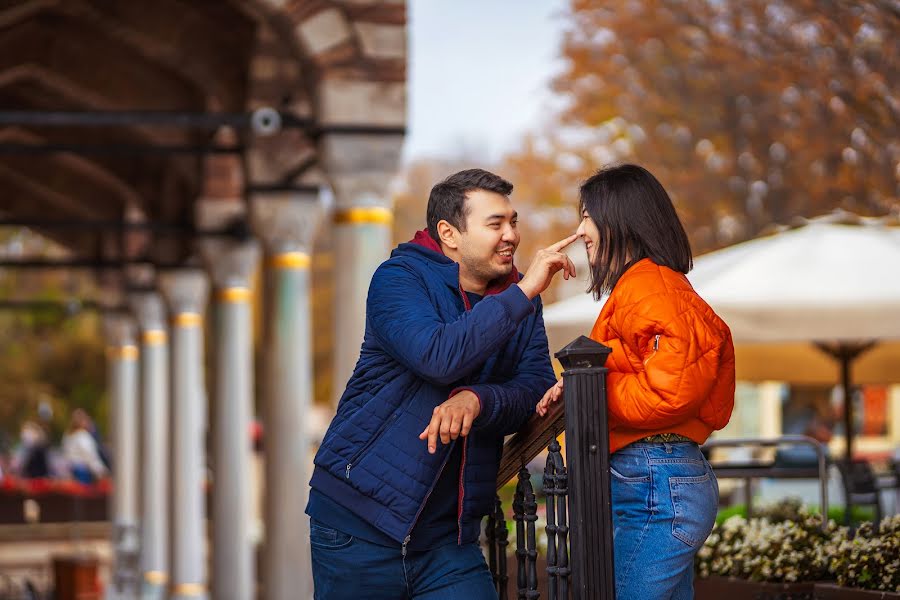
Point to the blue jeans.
(664, 500)
(82, 474)
(345, 567)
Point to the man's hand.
(452, 419)
(546, 264)
(552, 395)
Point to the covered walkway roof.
(164, 143)
(130, 111)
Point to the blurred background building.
(238, 168)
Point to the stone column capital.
(119, 329)
(139, 276)
(360, 168)
(185, 290)
(149, 309)
(111, 301)
(230, 261)
(287, 221)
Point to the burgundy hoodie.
(495, 287)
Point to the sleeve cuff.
(474, 391)
(516, 302)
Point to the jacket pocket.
(654, 348)
(358, 455)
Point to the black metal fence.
(579, 555)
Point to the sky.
(479, 74)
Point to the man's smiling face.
(491, 237)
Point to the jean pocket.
(627, 479)
(629, 468)
(326, 538)
(695, 501)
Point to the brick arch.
(334, 63)
(97, 55)
(343, 48)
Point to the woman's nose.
(580, 230)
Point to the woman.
(80, 450)
(670, 382)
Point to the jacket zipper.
(462, 469)
(462, 492)
(371, 441)
(465, 298)
(462, 466)
(655, 348)
(425, 501)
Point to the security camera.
(265, 121)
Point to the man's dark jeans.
(347, 567)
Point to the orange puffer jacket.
(672, 364)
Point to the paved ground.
(27, 551)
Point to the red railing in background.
(52, 500)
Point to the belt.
(666, 437)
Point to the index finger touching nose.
(562, 243)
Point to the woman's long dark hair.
(636, 220)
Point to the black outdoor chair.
(860, 487)
(891, 480)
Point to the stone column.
(186, 293)
(287, 225)
(360, 168)
(154, 559)
(122, 359)
(894, 412)
(770, 393)
(231, 265)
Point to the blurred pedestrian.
(31, 458)
(81, 450)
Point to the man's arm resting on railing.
(403, 320)
(507, 406)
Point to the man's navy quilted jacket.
(422, 345)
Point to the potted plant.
(787, 554)
(866, 565)
(766, 558)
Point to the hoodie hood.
(422, 238)
(424, 246)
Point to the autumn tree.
(49, 357)
(750, 111)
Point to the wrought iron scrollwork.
(525, 515)
(497, 538)
(580, 561)
(556, 489)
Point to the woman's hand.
(552, 395)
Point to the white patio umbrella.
(806, 305)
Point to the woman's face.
(591, 236)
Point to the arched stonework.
(135, 112)
(330, 64)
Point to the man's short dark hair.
(447, 201)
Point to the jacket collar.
(423, 247)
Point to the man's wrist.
(527, 290)
(474, 400)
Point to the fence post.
(587, 458)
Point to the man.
(454, 358)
